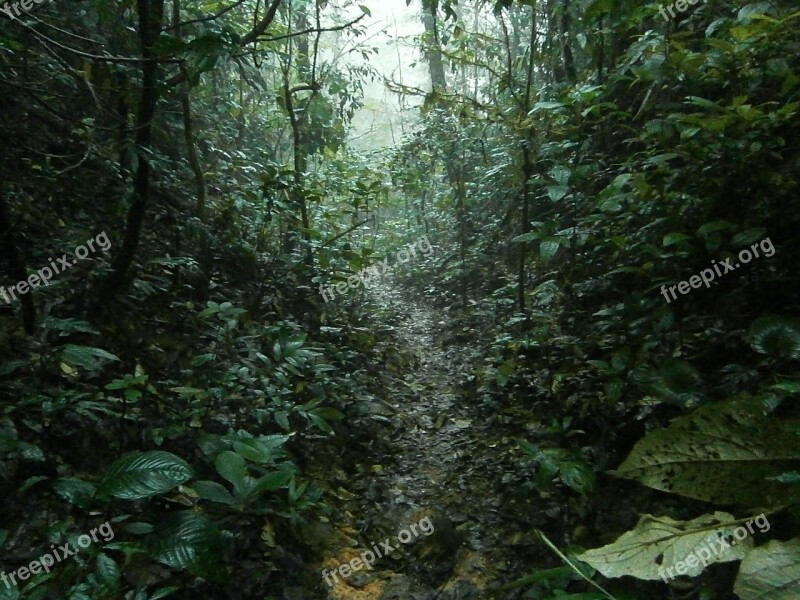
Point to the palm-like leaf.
(776, 336)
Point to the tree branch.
(262, 25)
(114, 59)
(345, 232)
(206, 19)
(313, 30)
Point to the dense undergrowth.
(574, 163)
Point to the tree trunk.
(566, 44)
(16, 265)
(527, 166)
(434, 52)
(151, 15)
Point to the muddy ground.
(434, 470)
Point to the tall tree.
(151, 17)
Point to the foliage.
(571, 162)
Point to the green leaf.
(530, 449)
(9, 367)
(657, 544)
(714, 227)
(577, 476)
(672, 239)
(107, 573)
(232, 467)
(254, 451)
(9, 592)
(770, 571)
(790, 478)
(274, 442)
(138, 528)
(282, 419)
(273, 481)
(788, 387)
(776, 336)
(557, 192)
(213, 308)
(675, 381)
(329, 413)
(321, 423)
(143, 474)
(30, 482)
(614, 388)
(722, 453)
(747, 12)
(526, 237)
(75, 491)
(211, 490)
(546, 106)
(164, 592)
(85, 356)
(702, 102)
(69, 325)
(749, 237)
(187, 391)
(548, 248)
(189, 541)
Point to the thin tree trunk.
(527, 167)
(188, 129)
(151, 15)
(298, 193)
(566, 42)
(16, 265)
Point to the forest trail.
(440, 472)
(585, 345)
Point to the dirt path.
(436, 488)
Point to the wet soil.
(433, 488)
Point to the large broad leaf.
(107, 574)
(75, 491)
(548, 248)
(211, 490)
(253, 449)
(190, 541)
(232, 467)
(771, 571)
(748, 238)
(87, 357)
(69, 325)
(675, 381)
(273, 481)
(557, 192)
(723, 453)
(144, 474)
(657, 544)
(526, 237)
